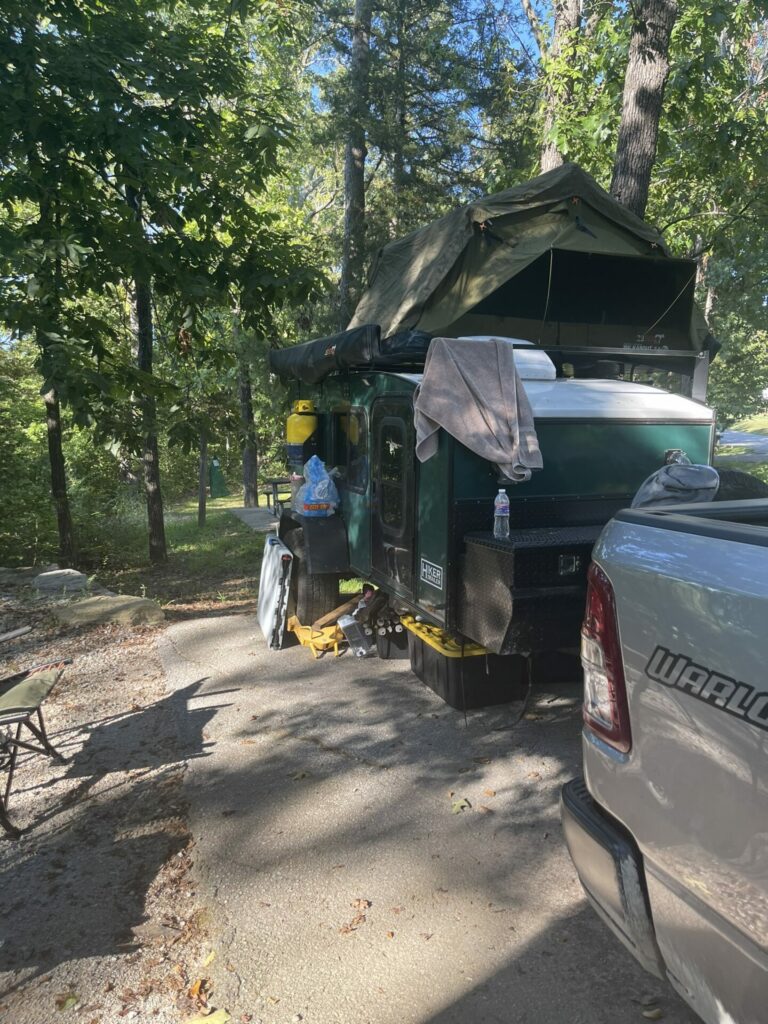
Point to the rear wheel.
(313, 594)
(735, 485)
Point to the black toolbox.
(465, 676)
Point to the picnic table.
(276, 485)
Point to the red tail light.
(605, 693)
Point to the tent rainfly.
(556, 261)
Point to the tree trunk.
(354, 165)
(202, 480)
(250, 448)
(567, 19)
(59, 480)
(155, 520)
(144, 351)
(398, 156)
(644, 83)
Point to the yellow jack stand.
(317, 640)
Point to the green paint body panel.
(582, 459)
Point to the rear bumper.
(610, 868)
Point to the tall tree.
(566, 22)
(145, 344)
(644, 83)
(355, 152)
(158, 101)
(249, 443)
(67, 555)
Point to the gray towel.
(472, 390)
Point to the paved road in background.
(756, 445)
(341, 886)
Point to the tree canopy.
(184, 184)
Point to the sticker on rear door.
(432, 574)
(722, 692)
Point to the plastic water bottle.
(501, 515)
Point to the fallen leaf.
(533, 718)
(361, 904)
(426, 935)
(486, 810)
(390, 935)
(300, 775)
(337, 867)
(194, 989)
(217, 1017)
(457, 806)
(654, 1014)
(210, 958)
(247, 742)
(533, 775)
(397, 910)
(489, 792)
(65, 1001)
(481, 760)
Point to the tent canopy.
(555, 261)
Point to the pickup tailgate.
(692, 603)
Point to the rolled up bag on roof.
(314, 360)
(360, 348)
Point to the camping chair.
(21, 697)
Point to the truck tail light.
(605, 693)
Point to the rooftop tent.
(555, 261)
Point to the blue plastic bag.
(318, 495)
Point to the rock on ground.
(128, 611)
(68, 581)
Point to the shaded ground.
(349, 886)
(99, 910)
(293, 839)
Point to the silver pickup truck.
(668, 829)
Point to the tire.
(735, 485)
(312, 594)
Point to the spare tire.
(312, 594)
(736, 485)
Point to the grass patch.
(729, 451)
(753, 424)
(212, 569)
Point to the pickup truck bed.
(669, 828)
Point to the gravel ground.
(101, 921)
